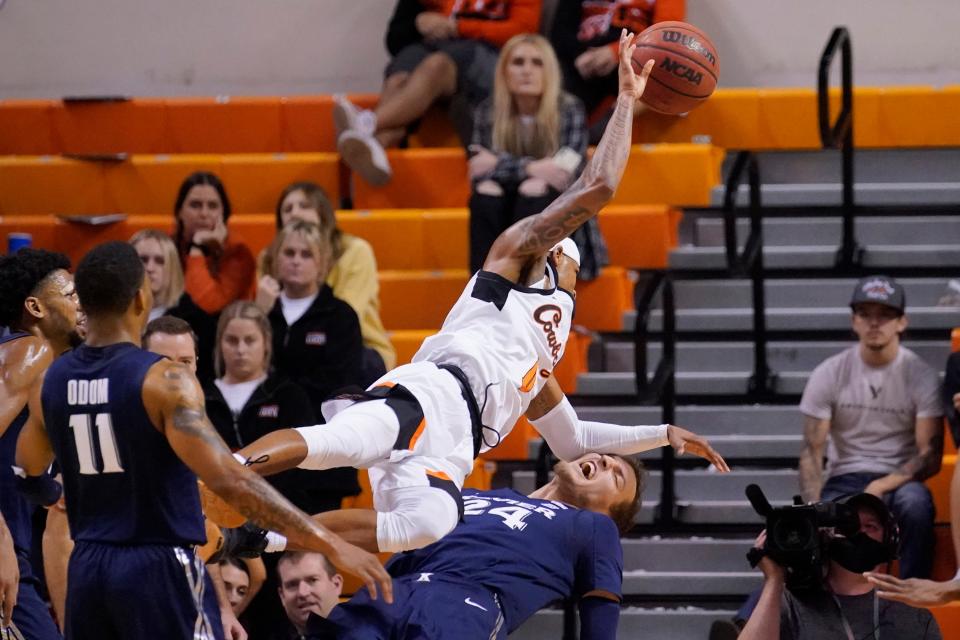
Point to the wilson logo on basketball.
(681, 71)
(690, 43)
(548, 317)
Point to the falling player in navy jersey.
(421, 426)
(39, 305)
(129, 431)
(511, 556)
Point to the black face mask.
(859, 552)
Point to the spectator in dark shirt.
(316, 337)
(529, 144)
(586, 34)
(439, 48)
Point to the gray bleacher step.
(729, 446)
(797, 293)
(655, 554)
(738, 356)
(789, 318)
(919, 164)
(708, 230)
(716, 383)
(868, 193)
(702, 487)
(684, 583)
(821, 256)
(708, 420)
(684, 623)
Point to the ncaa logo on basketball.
(877, 289)
(681, 70)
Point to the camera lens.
(793, 533)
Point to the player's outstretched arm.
(275, 452)
(175, 401)
(534, 235)
(569, 437)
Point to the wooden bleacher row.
(779, 118)
(671, 173)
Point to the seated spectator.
(880, 406)
(216, 269)
(173, 338)
(353, 275)
(845, 606)
(308, 583)
(529, 144)
(586, 33)
(439, 48)
(162, 264)
(236, 582)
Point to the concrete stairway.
(678, 582)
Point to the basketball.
(685, 70)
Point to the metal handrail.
(839, 134)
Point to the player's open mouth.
(588, 469)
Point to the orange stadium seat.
(26, 127)
(223, 125)
(149, 183)
(135, 126)
(421, 178)
(670, 173)
(948, 617)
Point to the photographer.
(845, 605)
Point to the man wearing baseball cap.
(874, 410)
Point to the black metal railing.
(839, 134)
(660, 388)
(749, 263)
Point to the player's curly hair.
(108, 278)
(20, 275)
(625, 513)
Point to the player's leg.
(359, 436)
(88, 611)
(160, 592)
(57, 546)
(31, 615)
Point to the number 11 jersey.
(122, 481)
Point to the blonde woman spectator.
(161, 261)
(529, 144)
(352, 276)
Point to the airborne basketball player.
(419, 428)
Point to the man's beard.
(74, 339)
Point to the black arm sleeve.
(599, 618)
(402, 29)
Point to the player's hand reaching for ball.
(684, 441)
(364, 565)
(630, 82)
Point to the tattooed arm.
(815, 432)
(175, 402)
(533, 236)
(929, 435)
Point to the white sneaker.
(347, 115)
(366, 156)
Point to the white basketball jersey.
(507, 338)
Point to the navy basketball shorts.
(425, 607)
(139, 592)
(31, 615)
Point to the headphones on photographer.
(859, 552)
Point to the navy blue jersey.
(17, 511)
(122, 481)
(530, 552)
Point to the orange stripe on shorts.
(439, 474)
(417, 434)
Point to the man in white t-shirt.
(880, 405)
